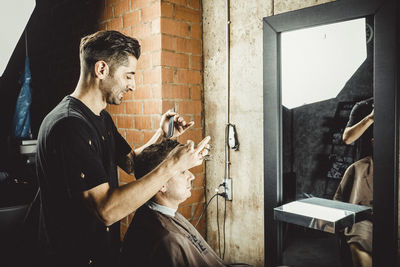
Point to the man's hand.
(188, 156)
(180, 125)
(371, 116)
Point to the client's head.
(177, 189)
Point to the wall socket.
(227, 188)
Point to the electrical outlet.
(228, 188)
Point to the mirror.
(325, 71)
(318, 63)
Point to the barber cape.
(155, 238)
(356, 187)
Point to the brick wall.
(169, 74)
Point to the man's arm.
(354, 132)
(111, 205)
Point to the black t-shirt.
(77, 150)
(360, 111)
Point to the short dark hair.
(152, 156)
(111, 46)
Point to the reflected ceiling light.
(14, 16)
(317, 62)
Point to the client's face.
(178, 188)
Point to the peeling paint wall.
(244, 225)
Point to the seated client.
(158, 234)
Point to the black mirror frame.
(386, 114)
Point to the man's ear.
(101, 69)
(163, 189)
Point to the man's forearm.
(354, 132)
(124, 200)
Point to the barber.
(359, 127)
(79, 149)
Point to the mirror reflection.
(327, 126)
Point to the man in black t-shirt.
(79, 148)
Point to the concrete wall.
(244, 218)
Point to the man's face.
(178, 187)
(118, 83)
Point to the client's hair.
(152, 156)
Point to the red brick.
(186, 14)
(195, 31)
(156, 58)
(151, 12)
(167, 9)
(121, 7)
(102, 26)
(144, 62)
(190, 107)
(186, 211)
(131, 18)
(197, 196)
(188, 77)
(116, 109)
(148, 135)
(178, 2)
(139, 77)
(152, 76)
(139, 3)
(189, 46)
(167, 75)
(198, 209)
(195, 93)
(198, 181)
(134, 108)
(124, 228)
(156, 121)
(134, 136)
(175, 91)
(152, 107)
(194, 4)
(122, 132)
(194, 135)
(115, 24)
(141, 30)
(156, 26)
(156, 91)
(107, 13)
(197, 122)
(197, 169)
(151, 43)
(124, 177)
(128, 96)
(142, 92)
(168, 42)
(172, 59)
(172, 27)
(110, 2)
(143, 122)
(130, 216)
(126, 31)
(196, 62)
(167, 105)
(125, 122)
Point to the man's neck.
(166, 202)
(161, 208)
(89, 93)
